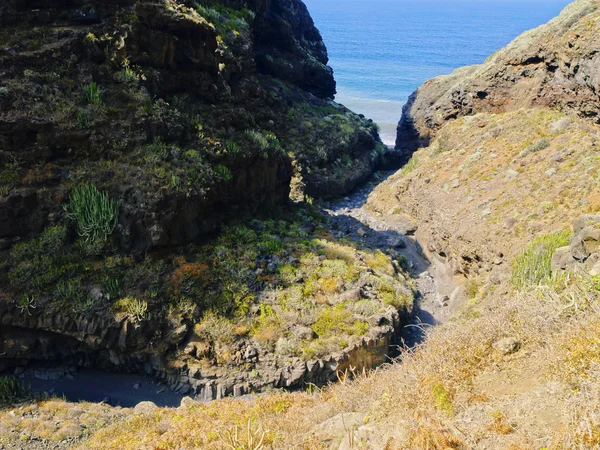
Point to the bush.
(534, 265)
(258, 139)
(539, 145)
(134, 309)
(333, 321)
(211, 15)
(93, 93)
(223, 173)
(84, 120)
(94, 213)
(40, 261)
(12, 391)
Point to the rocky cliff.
(130, 133)
(507, 147)
(555, 65)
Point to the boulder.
(188, 402)
(507, 346)
(145, 408)
(583, 251)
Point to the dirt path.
(438, 294)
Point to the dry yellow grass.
(55, 420)
(492, 183)
(453, 392)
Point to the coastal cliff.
(506, 147)
(554, 65)
(148, 153)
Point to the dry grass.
(446, 394)
(487, 184)
(55, 420)
(453, 392)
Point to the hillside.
(148, 153)
(498, 203)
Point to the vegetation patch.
(94, 213)
(534, 265)
(411, 165)
(12, 390)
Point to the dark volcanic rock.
(180, 117)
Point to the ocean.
(382, 50)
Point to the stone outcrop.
(187, 115)
(165, 73)
(555, 65)
(503, 142)
(583, 251)
(44, 334)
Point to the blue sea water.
(382, 50)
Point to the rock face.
(289, 46)
(187, 116)
(583, 252)
(184, 115)
(503, 146)
(555, 65)
(48, 335)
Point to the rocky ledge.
(583, 251)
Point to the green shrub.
(12, 391)
(94, 213)
(26, 304)
(258, 139)
(84, 120)
(40, 261)
(232, 147)
(50, 242)
(539, 146)
(411, 165)
(134, 309)
(223, 172)
(534, 265)
(209, 14)
(70, 292)
(93, 93)
(336, 320)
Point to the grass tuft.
(411, 165)
(94, 213)
(12, 390)
(534, 265)
(93, 93)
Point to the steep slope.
(510, 143)
(131, 133)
